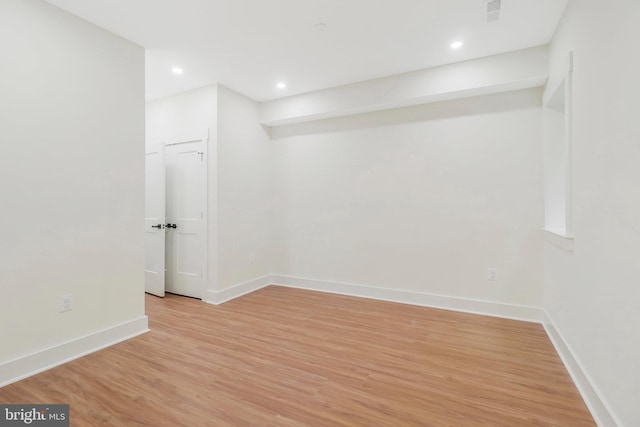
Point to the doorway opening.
(176, 216)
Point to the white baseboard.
(489, 308)
(599, 408)
(219, 297)
(23, 367)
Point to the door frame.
(199, 135)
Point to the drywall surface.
(592, 293)
(71, 178)
(245, 202)
(423, 198)
(510, 71)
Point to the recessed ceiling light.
(281, 85)
(321, 26)
(177, 70)
(456, 45)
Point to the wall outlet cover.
(66, 303)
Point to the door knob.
(172, 226)
(159, 226)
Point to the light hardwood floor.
(287, 357)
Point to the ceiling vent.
(492, 10)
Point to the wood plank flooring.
(288, 357)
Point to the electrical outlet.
(492, 274)
(66, 303)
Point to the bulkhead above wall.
(520, 69)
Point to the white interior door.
(154, 264)
(186, 169)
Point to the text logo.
(34, 415)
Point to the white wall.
(245, 191)
(195, 110)
(422, 199)
(71, 178)
(592, 294)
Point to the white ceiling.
(249, 45)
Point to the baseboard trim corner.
(235, 291)
(597, 405)
(487, 308)
(35, 363)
